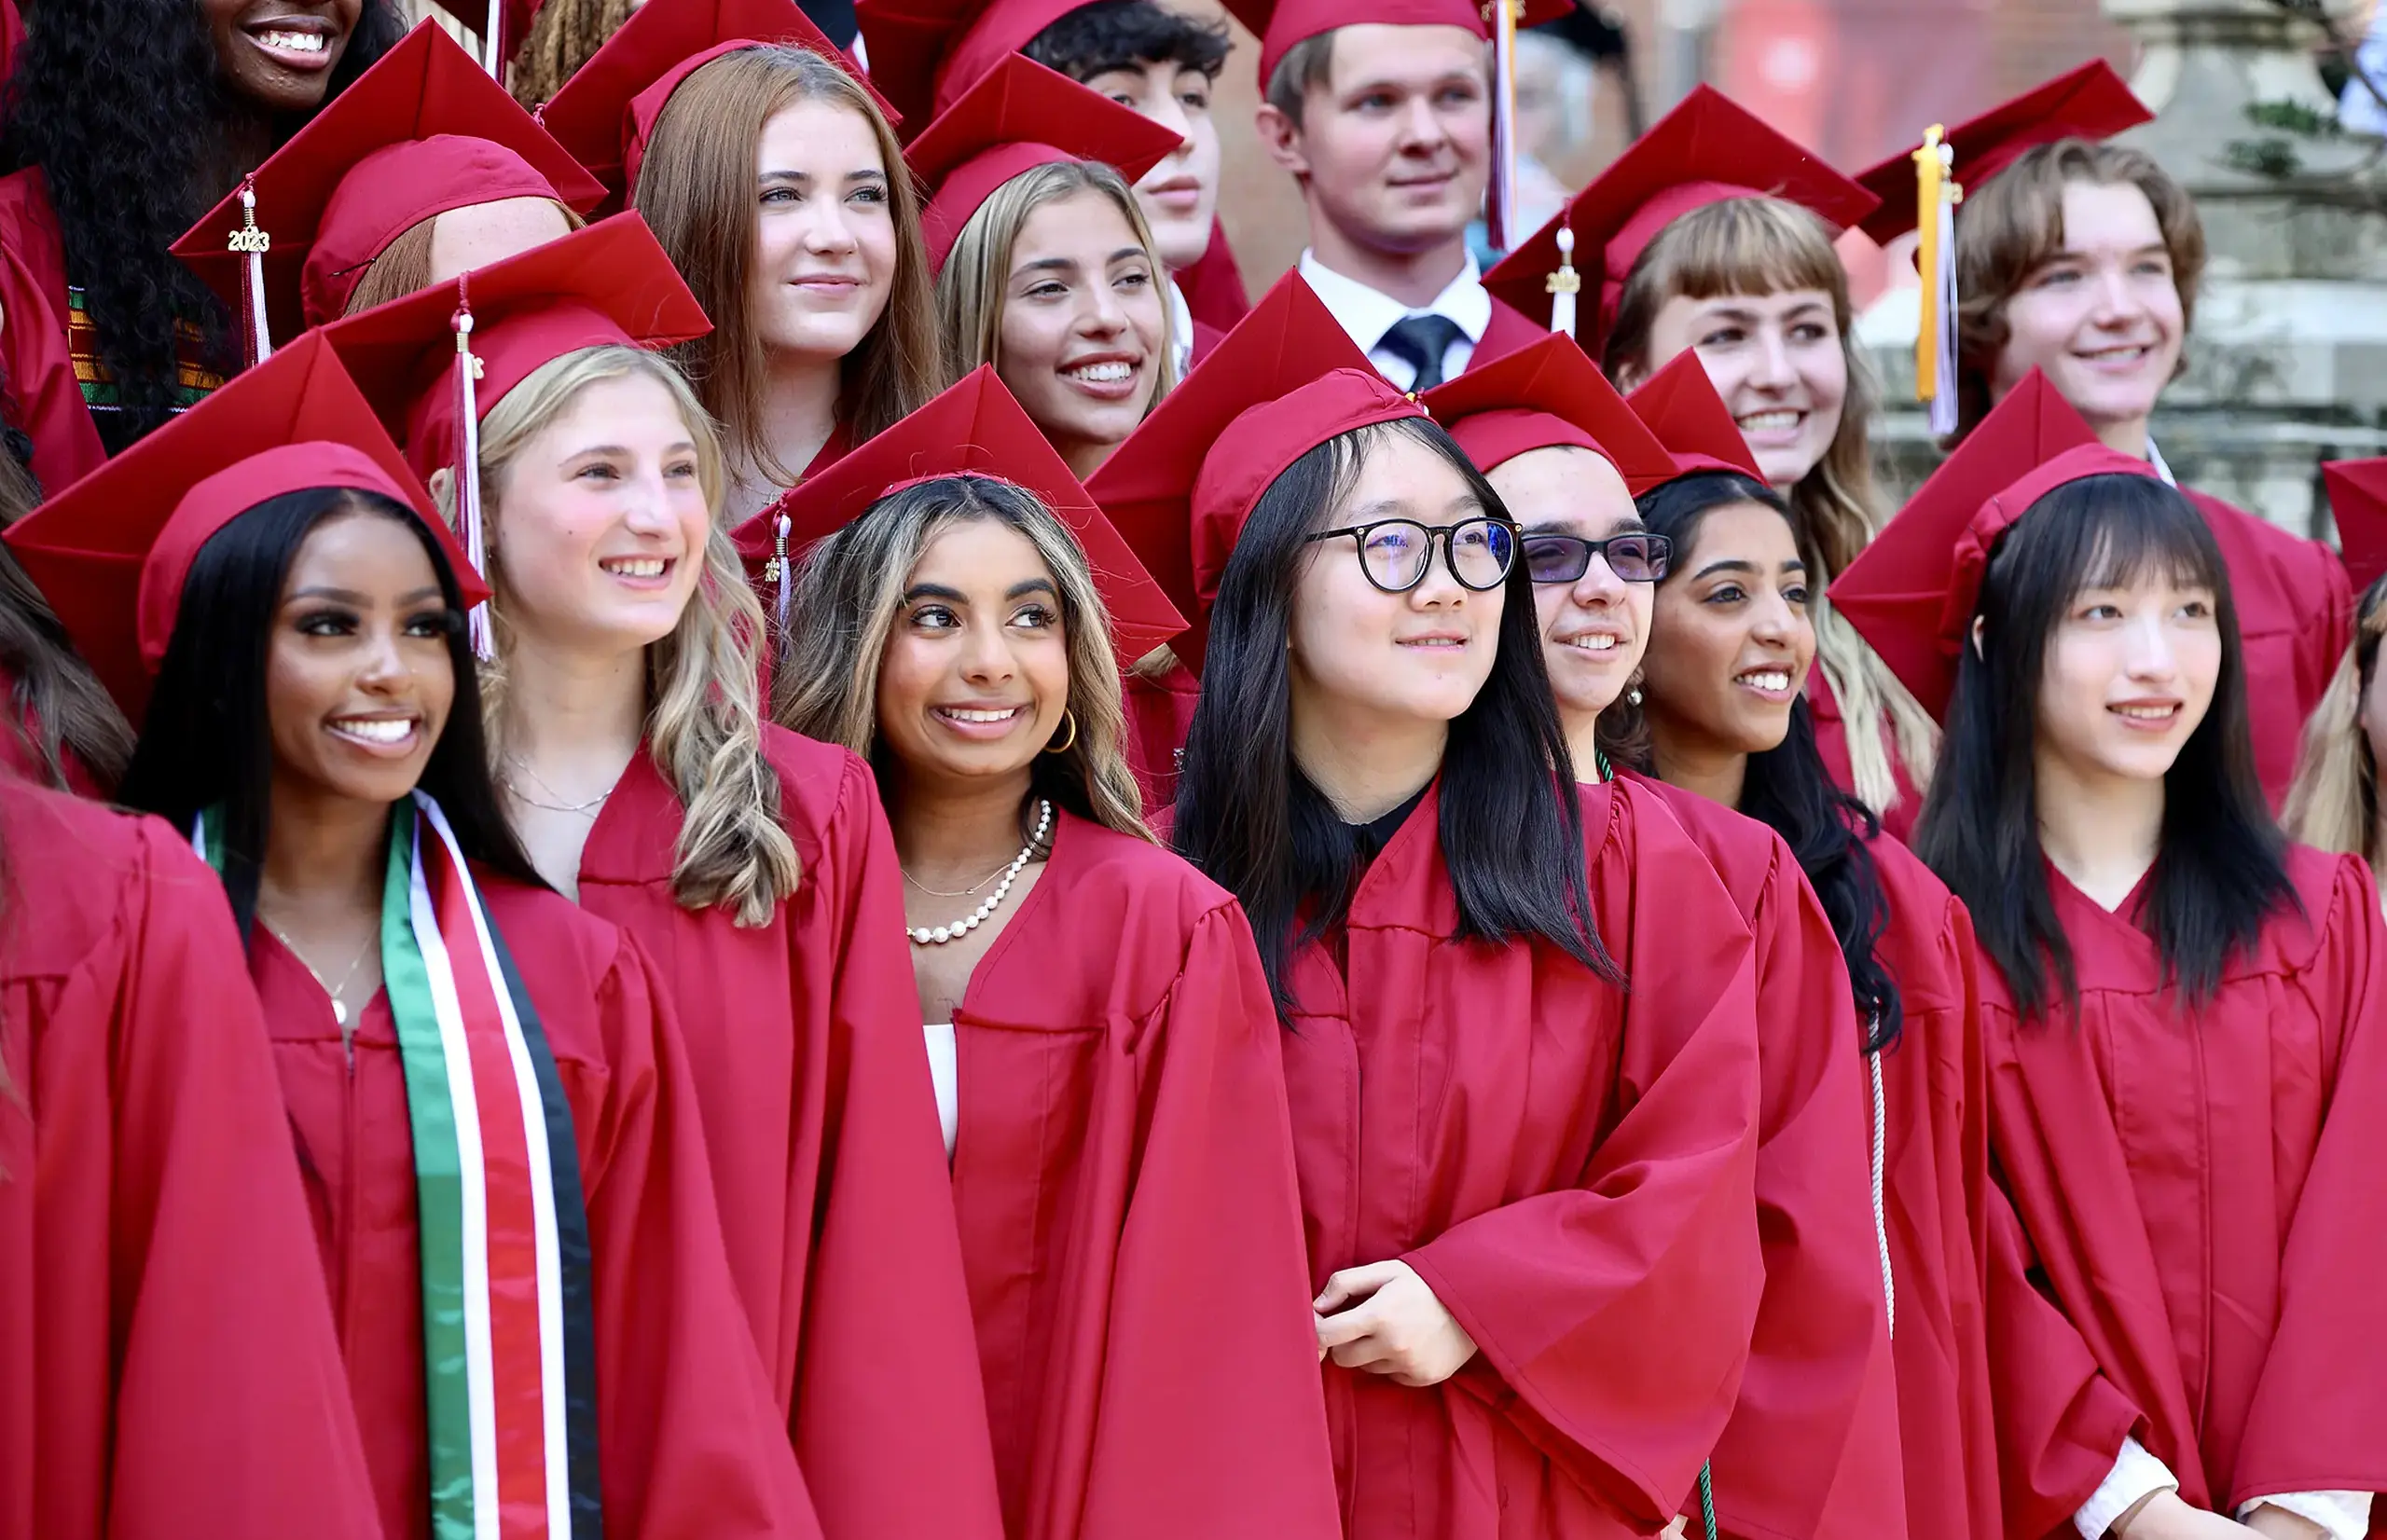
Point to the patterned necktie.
(1421, 341)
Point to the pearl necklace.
(937, 935)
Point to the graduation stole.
(508, 1333)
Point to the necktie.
(1421, 341)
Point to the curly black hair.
(123, 106)
(1112, 35)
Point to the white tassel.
(1500, 204)
(468, 475)
(1881, 1217)
(786, 568)
(1564, 285)
(490, 60)
(1943, 400)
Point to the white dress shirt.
(944, 1075)
(2138, 1474)
(1367, 315)
(1180, 330)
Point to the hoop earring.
(1070, 742)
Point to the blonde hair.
(849, 591)
(703, 714)
(975, 280)
(2333, 803)
(404, 266)
(2010, 226)
(565, 35)
(1769, 245)
(696, 189)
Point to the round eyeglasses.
(1396, 552)
(1636, 558)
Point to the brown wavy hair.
(696, 190)
(1769, 245)
(566, 34)
(2333, 804)
(2010, 226)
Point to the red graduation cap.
(432, 363)
(1911, 593)
(973, 428)
(2088, 103)
(1680, 404)
(1017, 116)
(1287, 380)
(1282, 23)
(422, 132)
(2358, 502)
(111, 551)
(1705, 151)
(1542, 396)
(924, 53)
(606, 111)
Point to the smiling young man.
(1384, 116)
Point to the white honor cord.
(1881, 1220)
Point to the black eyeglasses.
(1636, 558)
(1396, 552)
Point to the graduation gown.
(40, 395)
(1831, 741)
(2295, 622)
(2201, 1190)
(804, 1050)
(1159, 711)
(1509, 330)
(1213, 288)
(171, 1364)
(688, 1444)
(1566, 1165)
(1124, 1173)
(1812, 1445)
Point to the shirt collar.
(1367, 313)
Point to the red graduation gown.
(1831, 741)
(1813, 1446)
(40, 394)
(1213, 287)
(2295, 621)
(170, 1368)
(1567, 1166)
(688, 1444)
(805, 1051)
(1124, 1173)
(2203, 1190)
(1159, 711)
(1510, 329)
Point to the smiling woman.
(128, 119)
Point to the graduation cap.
(1705, 151)
(973, 428)
(1920, 189)
(1287, 380)
(1680, 405)
(1544, 396)
(435, 363)
(422, 132)
(110, 552)
(1911, 593)
(606, 111)
(2358, 502)
(924, 54)
(1018, 116)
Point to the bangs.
(2127, 530)
(1749, 246)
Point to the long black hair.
(1511, 829)
(2220, 867)
(207, 740)
(1787, 787)
(122, 106)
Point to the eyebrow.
(1033, 585)
(1734, 564)
(350, 596)
(1632, 524)
(865, 175)
(935, 590)
(1390, 507)
(685, 445)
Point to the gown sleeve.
(2321, 1398)
(39, 396)
(694, 1447)
(1812, 1445)
(889, 1413)
(1209, 1418)
(1613, 1318)
(232, 1407)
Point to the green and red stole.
(508, 1332)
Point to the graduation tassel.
(1936, 195)
(1564, 285)
(490, 38)
(468, 468)
(782, 570)
(1500, 197)
(253, 243)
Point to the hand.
(2277, 1523)
(1384, 1319)
(2165, 1516)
